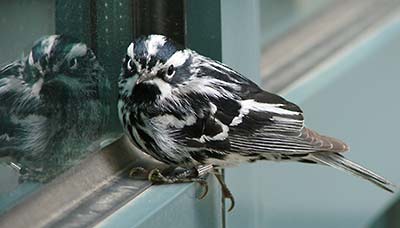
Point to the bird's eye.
(131, 66)
(73, 64)
(170, 71)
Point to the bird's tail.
(339, 162)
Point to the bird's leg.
(195, 174)
(226, 193)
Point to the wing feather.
(258, 121)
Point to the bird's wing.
(251, 120)
(272, 131)
(15, 94)
(10, 85)
(10, 132)
(247, 126)
(268, 123)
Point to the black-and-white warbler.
(187, 110)
(50, 106)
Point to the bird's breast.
(145, 93)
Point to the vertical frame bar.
(241, 50)
(75, 18)
(160, 17)
(114, 32)
(203, 27)
(203, 33)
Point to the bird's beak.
(144, 77)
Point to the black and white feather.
(50, 105)
(185, 109)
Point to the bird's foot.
(139, 172)
(197, 174)
(180, 175)
(226, 193)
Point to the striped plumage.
(185, 109)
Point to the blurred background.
(338, 60)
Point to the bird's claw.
(226, 193)
(155, 176)
(204, 184)
(138, 171)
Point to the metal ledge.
(76, 190)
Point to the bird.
(51, 104)
(189, 111)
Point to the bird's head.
(59, 54)
(153, 65)
(61, 60)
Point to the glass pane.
(55, 94)
(277, 17)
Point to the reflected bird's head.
(61, 60)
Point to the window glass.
(277, 17)
(57, 87)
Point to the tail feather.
(322, 142)
(339, 162)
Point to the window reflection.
(56, 94)
(277, 17)
(51, 107)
